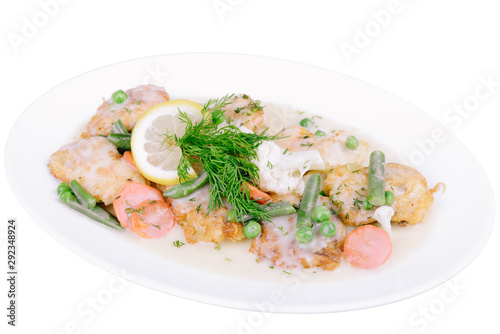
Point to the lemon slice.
(154, 152)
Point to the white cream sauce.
(229, 258)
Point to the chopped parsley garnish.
(255, 106)
(178, 243)
(357, 203)
(283, 231)
(357, 192)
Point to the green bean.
(187, 188)
(83, 196)
(63, 186)
(122, 141)
(118, 128)
(309, 199)
(276, 209)
(376, 179)
(67, 195)
(97, 213)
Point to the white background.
(431, 53)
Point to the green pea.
(321, 214)
(366, 205)
(252, 229)
(389, 197)
(327, 229)
(304, 235)
(306, 122)
(218, 118)
(119, 96)
(231, 215)
(320, 133)
(352, 143)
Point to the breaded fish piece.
(277, 244)
(293, 199)
(285, 252)
(243, 111)
(139, 100)
(348, 189)
(332, 147)
(96, 164)
(191, 214)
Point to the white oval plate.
(464, 221)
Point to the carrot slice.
(256, 194)
(367, 247)
(152, 219)
(129, 159)
(130, 196)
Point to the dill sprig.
(225, 154)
